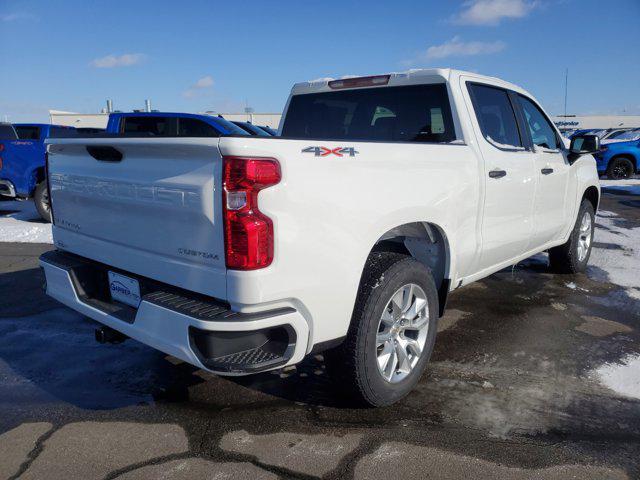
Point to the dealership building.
(571, 122)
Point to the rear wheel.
(620, 169)
(392, 331)
(41, 200)
(573, 256)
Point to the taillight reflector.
(360, 82)
(249, 236)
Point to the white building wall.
(85, 120)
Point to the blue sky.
(220, 55)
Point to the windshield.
(628, 136)
(252, 129)
(598, 133)
(269, 130)
(230, 128)
(616, 134)
(416, 113)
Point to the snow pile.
(628, 187)
(20, 222)
(617, 183)
(619, 264)
(623, 378)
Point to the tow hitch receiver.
(109, 335)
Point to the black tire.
(566, 258)
(355, 363)
(41, 200)
(620, 168)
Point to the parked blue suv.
(619, 160)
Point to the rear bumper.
(199, 330)
(7, 189)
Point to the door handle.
(497, 173)
(547, 171)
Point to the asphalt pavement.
(532, 377)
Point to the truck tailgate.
(155, 212)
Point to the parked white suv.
(345, 234)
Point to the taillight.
(248, 232)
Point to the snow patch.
(20, 222)
(620, 183)
(617, 263)
(623, 378)
(573, 286)
(502, 145)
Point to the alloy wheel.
(584, 237)
(402, 332)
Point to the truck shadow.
(51, 350)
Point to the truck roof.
(409, 77)
(40, 125)
(162, 114)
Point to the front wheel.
(573, 256)
(41, 200)
(620, 169)
(392, 331)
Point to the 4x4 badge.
(325, 151)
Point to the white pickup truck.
(344, 234)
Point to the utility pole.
(566, 89)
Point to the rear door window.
(28, 133)
(148, 126)
(495, 115)
(416, 113)
(192, 127)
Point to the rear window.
(61, 132)
(28, 133)
(154, 126)
(419, 113)
(192, 127)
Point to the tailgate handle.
(105, 154)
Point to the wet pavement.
(515, 388)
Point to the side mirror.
(583, 145)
